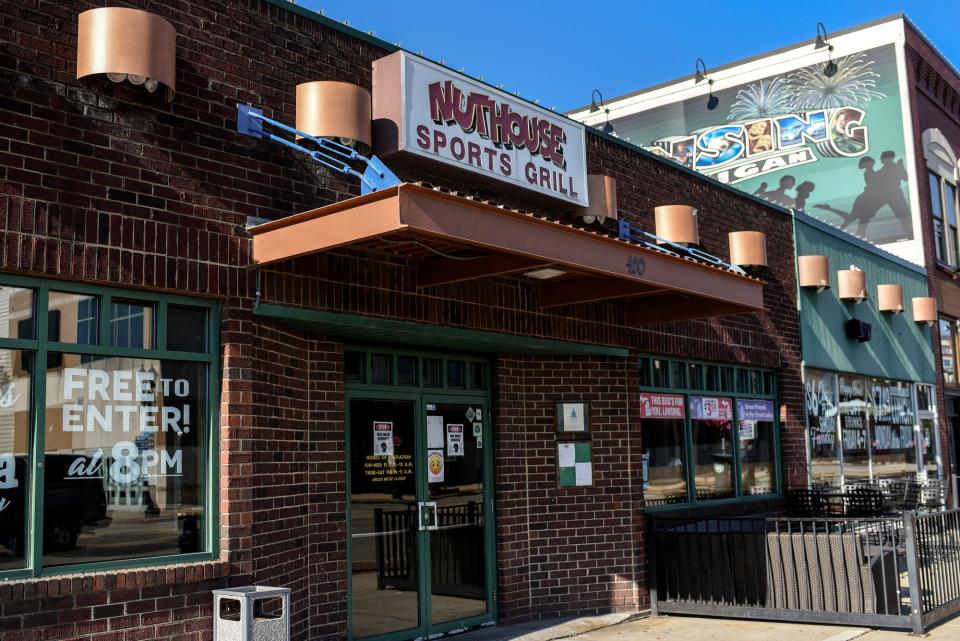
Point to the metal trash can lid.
(248, 591)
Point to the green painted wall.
(899, 348)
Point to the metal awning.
(453, 238)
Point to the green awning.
(364, 329)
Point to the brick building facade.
(935, 106)
(102, 184)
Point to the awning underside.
(453, 239)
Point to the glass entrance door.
(384, 532)
(457, 473)
(421, 530)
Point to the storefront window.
(126, 442)
(853, 427)
(124, 459)
(755, 435)
(15, 394)
(712, 428)
(820, 393)
(948, 351)
(691, 451)
(894, 450)
(661, 433)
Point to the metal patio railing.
(894, 572)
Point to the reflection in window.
(696, 376)
(16, 312)
(14, 450)
(755, 432)
(131, 325)
(353, 370)
(455, 374)
(186, 329)
(712, 425)
(73, 318)
(820, 394)
(853, 427)
(381, 369)
(948, 351)
(478, 377)
(664, 479)
(124, 459)
(433, 372)
(661, 375)
(939, 228)
(407, 370)
(894, 451)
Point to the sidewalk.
(677, 628)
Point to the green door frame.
(420, 396)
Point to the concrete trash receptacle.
(251, 613)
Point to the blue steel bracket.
(633, 234)
(331, 154)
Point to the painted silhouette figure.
(778, 196)
(881, 188)
(804, 190)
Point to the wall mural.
(830, 146)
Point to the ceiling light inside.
(545, 273)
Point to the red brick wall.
(934, 103)
(103, 184)
(570, 551)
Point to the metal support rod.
(913, 574)
(329, 153)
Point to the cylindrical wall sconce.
(677, 223)
(852, 284)
(925, 310)
(128, 45)
(602, 194)
(748, 248)
(814, 271)
(327, 108)
(890, 298)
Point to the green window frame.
(42, 347)
(704, 378)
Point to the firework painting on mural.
(830, 145)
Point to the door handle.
(427, 515)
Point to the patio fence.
(893, 572)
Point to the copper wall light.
(853, 285)
(890, 298)
(925, 310)
(814, 271)
(602, 196)
(331, 109)
(748, 248)
(677, 223)
(128, 45)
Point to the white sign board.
(451, 119)
(382, 438)
(454, 440)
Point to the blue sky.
(559, 51)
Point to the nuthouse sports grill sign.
(427, 111)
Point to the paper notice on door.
(382, 438)
(434, 432)
(584, 473)
(455, 440)
(435, 466)
(567, 454)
